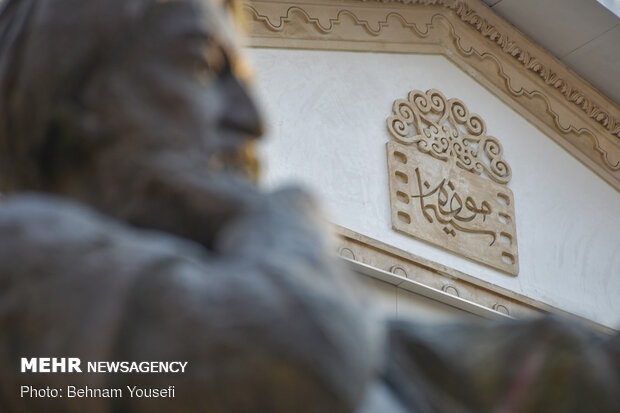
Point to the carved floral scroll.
(447, 180)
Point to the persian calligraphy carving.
(447, 180)
(560, 103)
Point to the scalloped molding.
(522, 74)
(529, 61)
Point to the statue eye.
(212, 61)
(215, 56)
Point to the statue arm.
(265, 314)
(274, 317)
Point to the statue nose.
(240, 111)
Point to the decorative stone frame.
(448, 180)
(522, 74)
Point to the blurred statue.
(143, 236)
(131, 230)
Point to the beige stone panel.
(435, 201)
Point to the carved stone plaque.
(437, 192)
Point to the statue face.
(119, 80)
(182, 88)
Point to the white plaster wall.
(326, 114)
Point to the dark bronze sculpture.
(143, 238)
(133, 108)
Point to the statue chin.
(241, 162)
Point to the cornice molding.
(407, 267)
(526, 58)
(560, 103)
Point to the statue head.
(120, 79)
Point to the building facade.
(468, 173)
